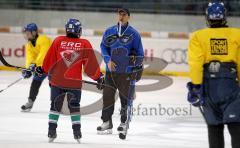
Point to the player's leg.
(34, 89)
(220, 86)
(57, 97)
(108, 105)
(123, 87)
(216, 136)
(234, 130)
(74, 97)
(232, 118)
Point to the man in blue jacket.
(122, 51)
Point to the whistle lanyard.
(119, 29)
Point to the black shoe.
(52, 135)
(77, 132)
(77, 135)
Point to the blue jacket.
(119, 47)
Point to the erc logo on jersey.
(219, 46)
(70, 45)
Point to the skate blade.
(106, 132)
(50, 140)
(26, 110)
(78, 141)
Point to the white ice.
(18, 129)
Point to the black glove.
(136, 73)
(26, 73)
(101, 82)
(39, 71)
(132, 60)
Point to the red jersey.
(65, 60)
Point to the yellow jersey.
(222, 44)
(35, 54)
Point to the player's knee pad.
(57, 102)
(73, 98)
(57, 98)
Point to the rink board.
(162, 55)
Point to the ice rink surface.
(149, 128)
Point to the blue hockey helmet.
(216, 14)
(73, 26)
(30, 27)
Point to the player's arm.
(238, 62)
(138, 48)
(50, 58)
(44, 44)
(90, 63)
(195, 60)
(105, 49)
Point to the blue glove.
(26, 73)
(195, 94)
(32, 67)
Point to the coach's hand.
(101, 82)
(111, 66)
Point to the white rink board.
(172, 51)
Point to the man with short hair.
(122, 51)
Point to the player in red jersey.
(63, 64)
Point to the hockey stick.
(5, 63)
(202, 112)
(11, 84)
(89, 82)
(17, 67)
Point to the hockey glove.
(136, 73)
(100, 82)
(32, 67)
(195, 94)
(39, 71)
(26, 73)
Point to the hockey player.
(214, 60)
(119, 44)
(36, 49)
(63, 64)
